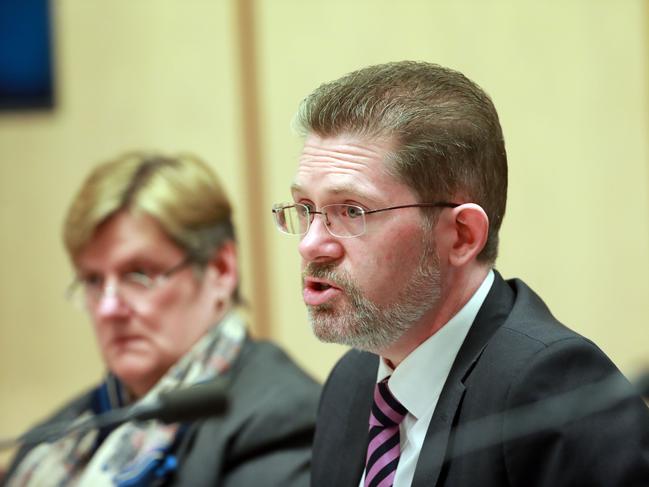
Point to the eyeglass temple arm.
(441, 204)
(189, 259)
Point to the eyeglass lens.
(341, 220)
(130, 287)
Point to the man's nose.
(318, 245)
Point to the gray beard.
(362, 324)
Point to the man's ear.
(223, 271)
(470, 226)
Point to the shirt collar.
(421, 375)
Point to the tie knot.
(386, 410)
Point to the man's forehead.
(342, 161)
(374, 189)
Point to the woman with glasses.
(153, 246)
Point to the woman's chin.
(139, 373)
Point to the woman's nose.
(110, 303)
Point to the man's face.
(369, 290)
(141, 337)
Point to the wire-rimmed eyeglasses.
(341, 220)
(131, 286)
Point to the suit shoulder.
(531, 321)
(272, 406)
(264, 370)
(532, 350)
(71, 409)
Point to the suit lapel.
(492, 314)
(351, 461)
(433, 450)
(340, 442)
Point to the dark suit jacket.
(264, 438)
(489, 428)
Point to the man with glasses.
(457, 377)
(152, 242)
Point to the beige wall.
(570, 81)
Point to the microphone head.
(195, 402)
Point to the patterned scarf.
(134, 453)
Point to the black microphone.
(195, 402)
(199, 401)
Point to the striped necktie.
(383, 448)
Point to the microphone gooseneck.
(199, 401)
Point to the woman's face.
(142, 331)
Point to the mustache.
(325, 271)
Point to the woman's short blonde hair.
(180, 192)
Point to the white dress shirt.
(417, 381)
